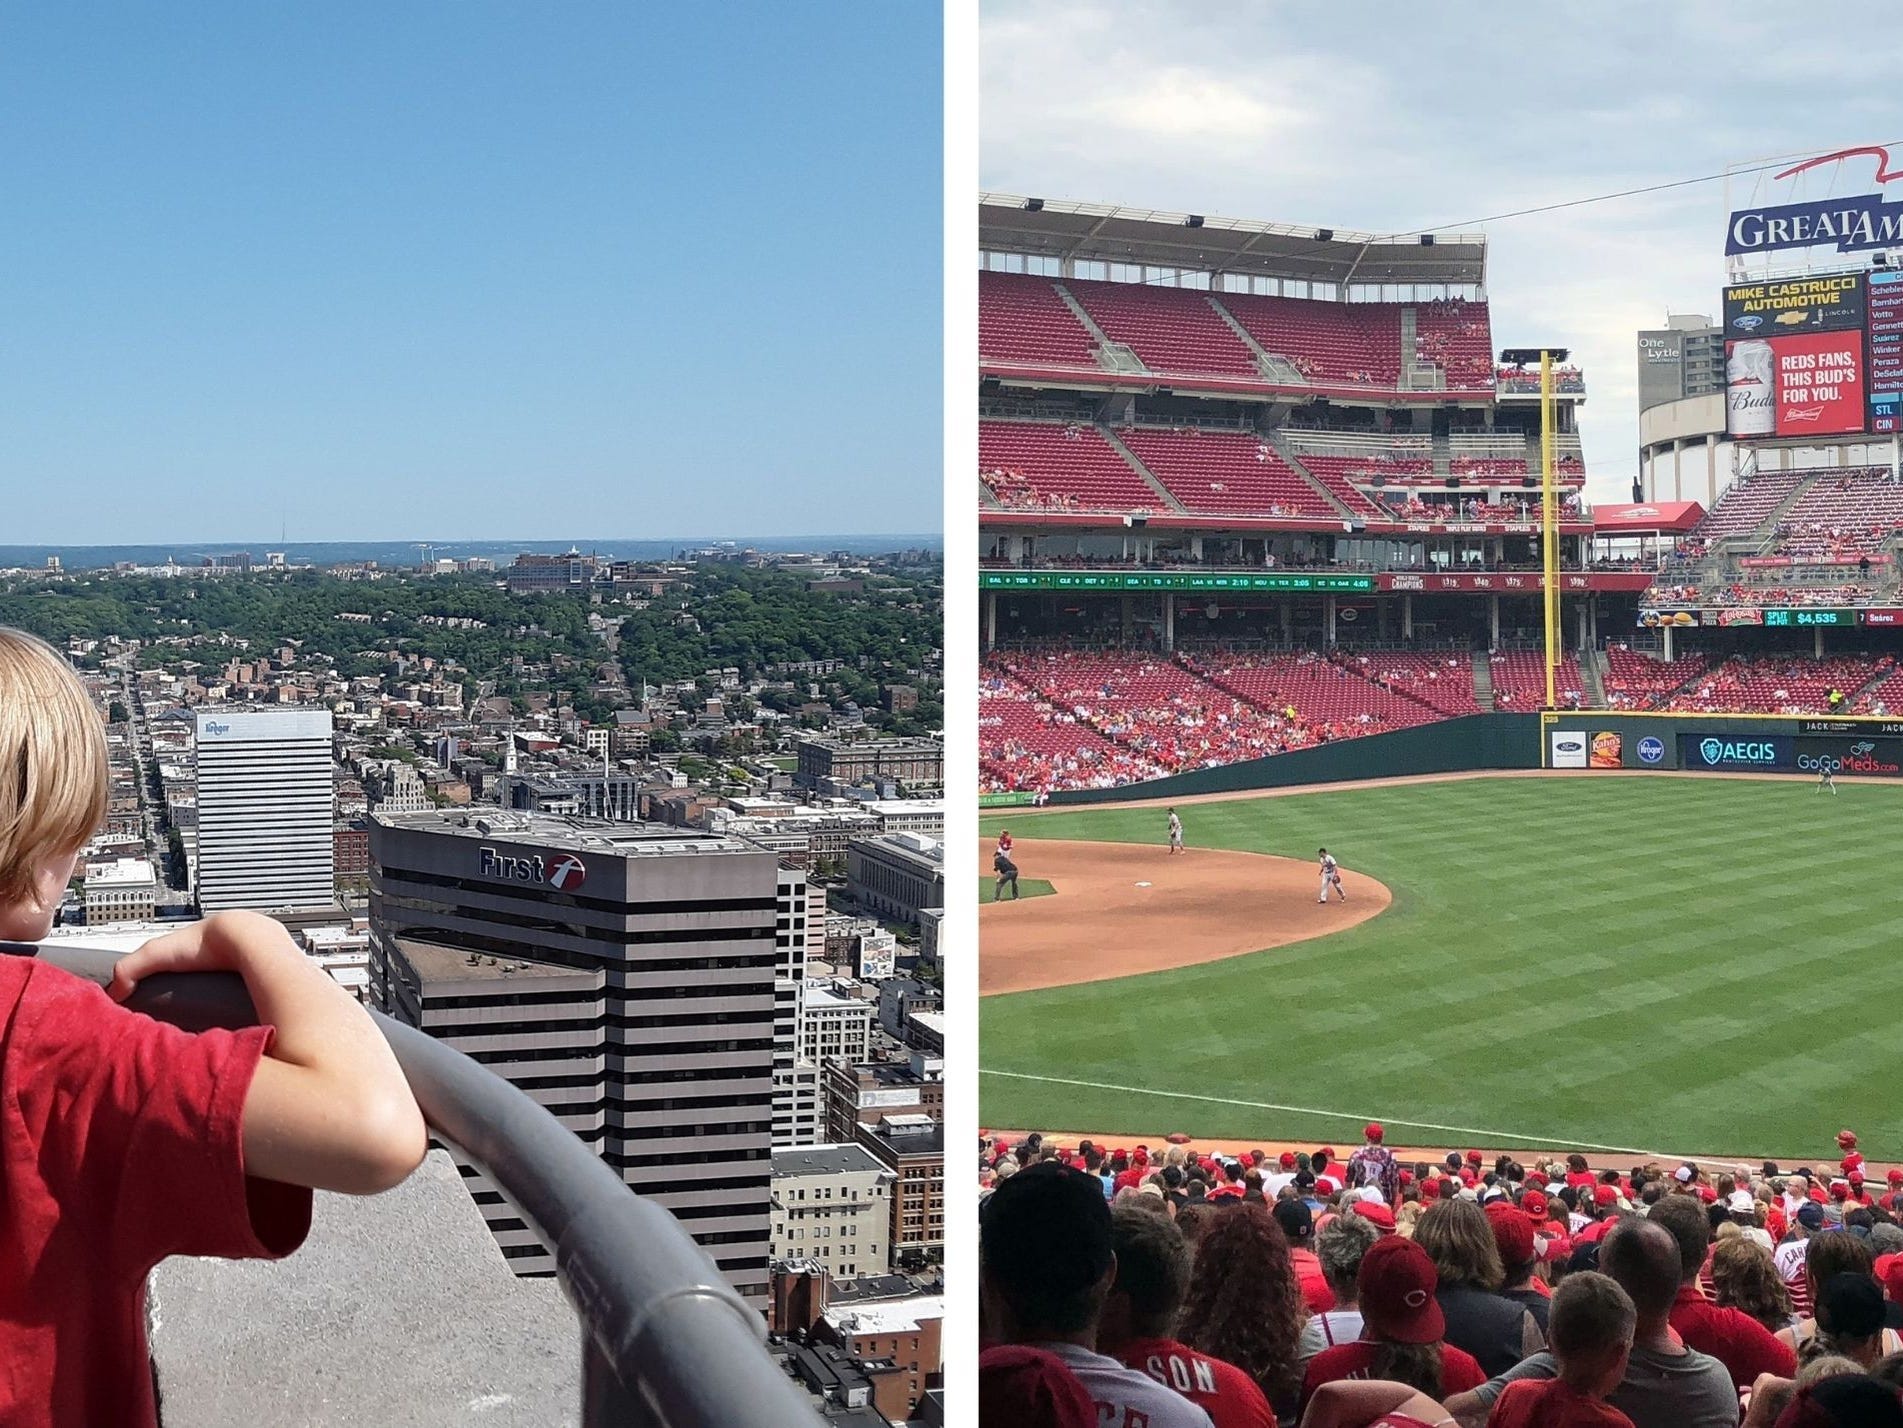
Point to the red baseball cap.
(1327, 1150)
(1287, 1161)
(1430, 1189)
(1891, 1275)
(1373, 1130)
(1895, 1177)
(1375, 1211)
(1474, 1157)
(1512, 1231)
(1846, 1139)
(1533, 1204)
(1557, 1249)
(1407, 1178)
(1537, 1178)
(1397, 1282)
(1467, 1177)
(1604, 1195)
(1708, 1194)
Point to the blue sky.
(381, 271)
(1363, 114)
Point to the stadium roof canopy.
(1008, 223)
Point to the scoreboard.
(1815, 356)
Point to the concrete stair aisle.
(1483, 678)
(1112, 356)
(1273, 367)
(1294, 462)
(1136, 465)
(1762, 531)
(1592, 676)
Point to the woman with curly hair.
(1744, 1277)
(1401, 1330)
(1244, 1305)
(1496, 1330)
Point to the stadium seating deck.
(1746, 504)
(1171, 329)
(1519, 681)
(1044, 466)
(1338, 342)
(1638, 681)
(1778, 684)
(1225, 473)
(1022, 319)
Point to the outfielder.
(1824, 778)
(1176, 833)
(1331, 877)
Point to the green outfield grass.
(1672, 964)
(1027, 887)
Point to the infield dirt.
(1125, 908)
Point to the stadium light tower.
(1524, 357)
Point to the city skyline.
(336, 271)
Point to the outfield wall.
(1580, 739)
(1475, 741)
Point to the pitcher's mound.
(1131, 907)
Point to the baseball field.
(1671, 965)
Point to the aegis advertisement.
(1727, 753)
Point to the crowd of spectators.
(1184, 1289)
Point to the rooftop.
(887, 1316)
(824, 1160)
(119, 873)
(1007, 223)
(452, 964)
(587, 835)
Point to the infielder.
(1176, 833)
(1331, 878)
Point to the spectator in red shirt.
(1298, 1225)
(1402, 1329)
(128, 1139)
(1243, 1305)
(1593, 1325)
(1744, 1346)
(1139, 1320)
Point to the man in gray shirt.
(1666, 1384)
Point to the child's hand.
(215, 945)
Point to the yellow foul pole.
(1549, 526)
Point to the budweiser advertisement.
(1811, 384)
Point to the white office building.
(264, 809)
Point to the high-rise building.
(1685, 358)
(264, 809)
(796, 1094)
(621, 974)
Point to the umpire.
(1007, 872)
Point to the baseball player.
(1331, 877)
(1824, 778)
(1176, 833)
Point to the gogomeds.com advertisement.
(1850, 756)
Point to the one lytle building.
(622, 974)
(264, 809)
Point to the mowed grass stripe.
(1669, 962)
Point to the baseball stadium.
(1280, 532)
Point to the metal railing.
(666, 1341)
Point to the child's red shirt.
(122, 1146)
